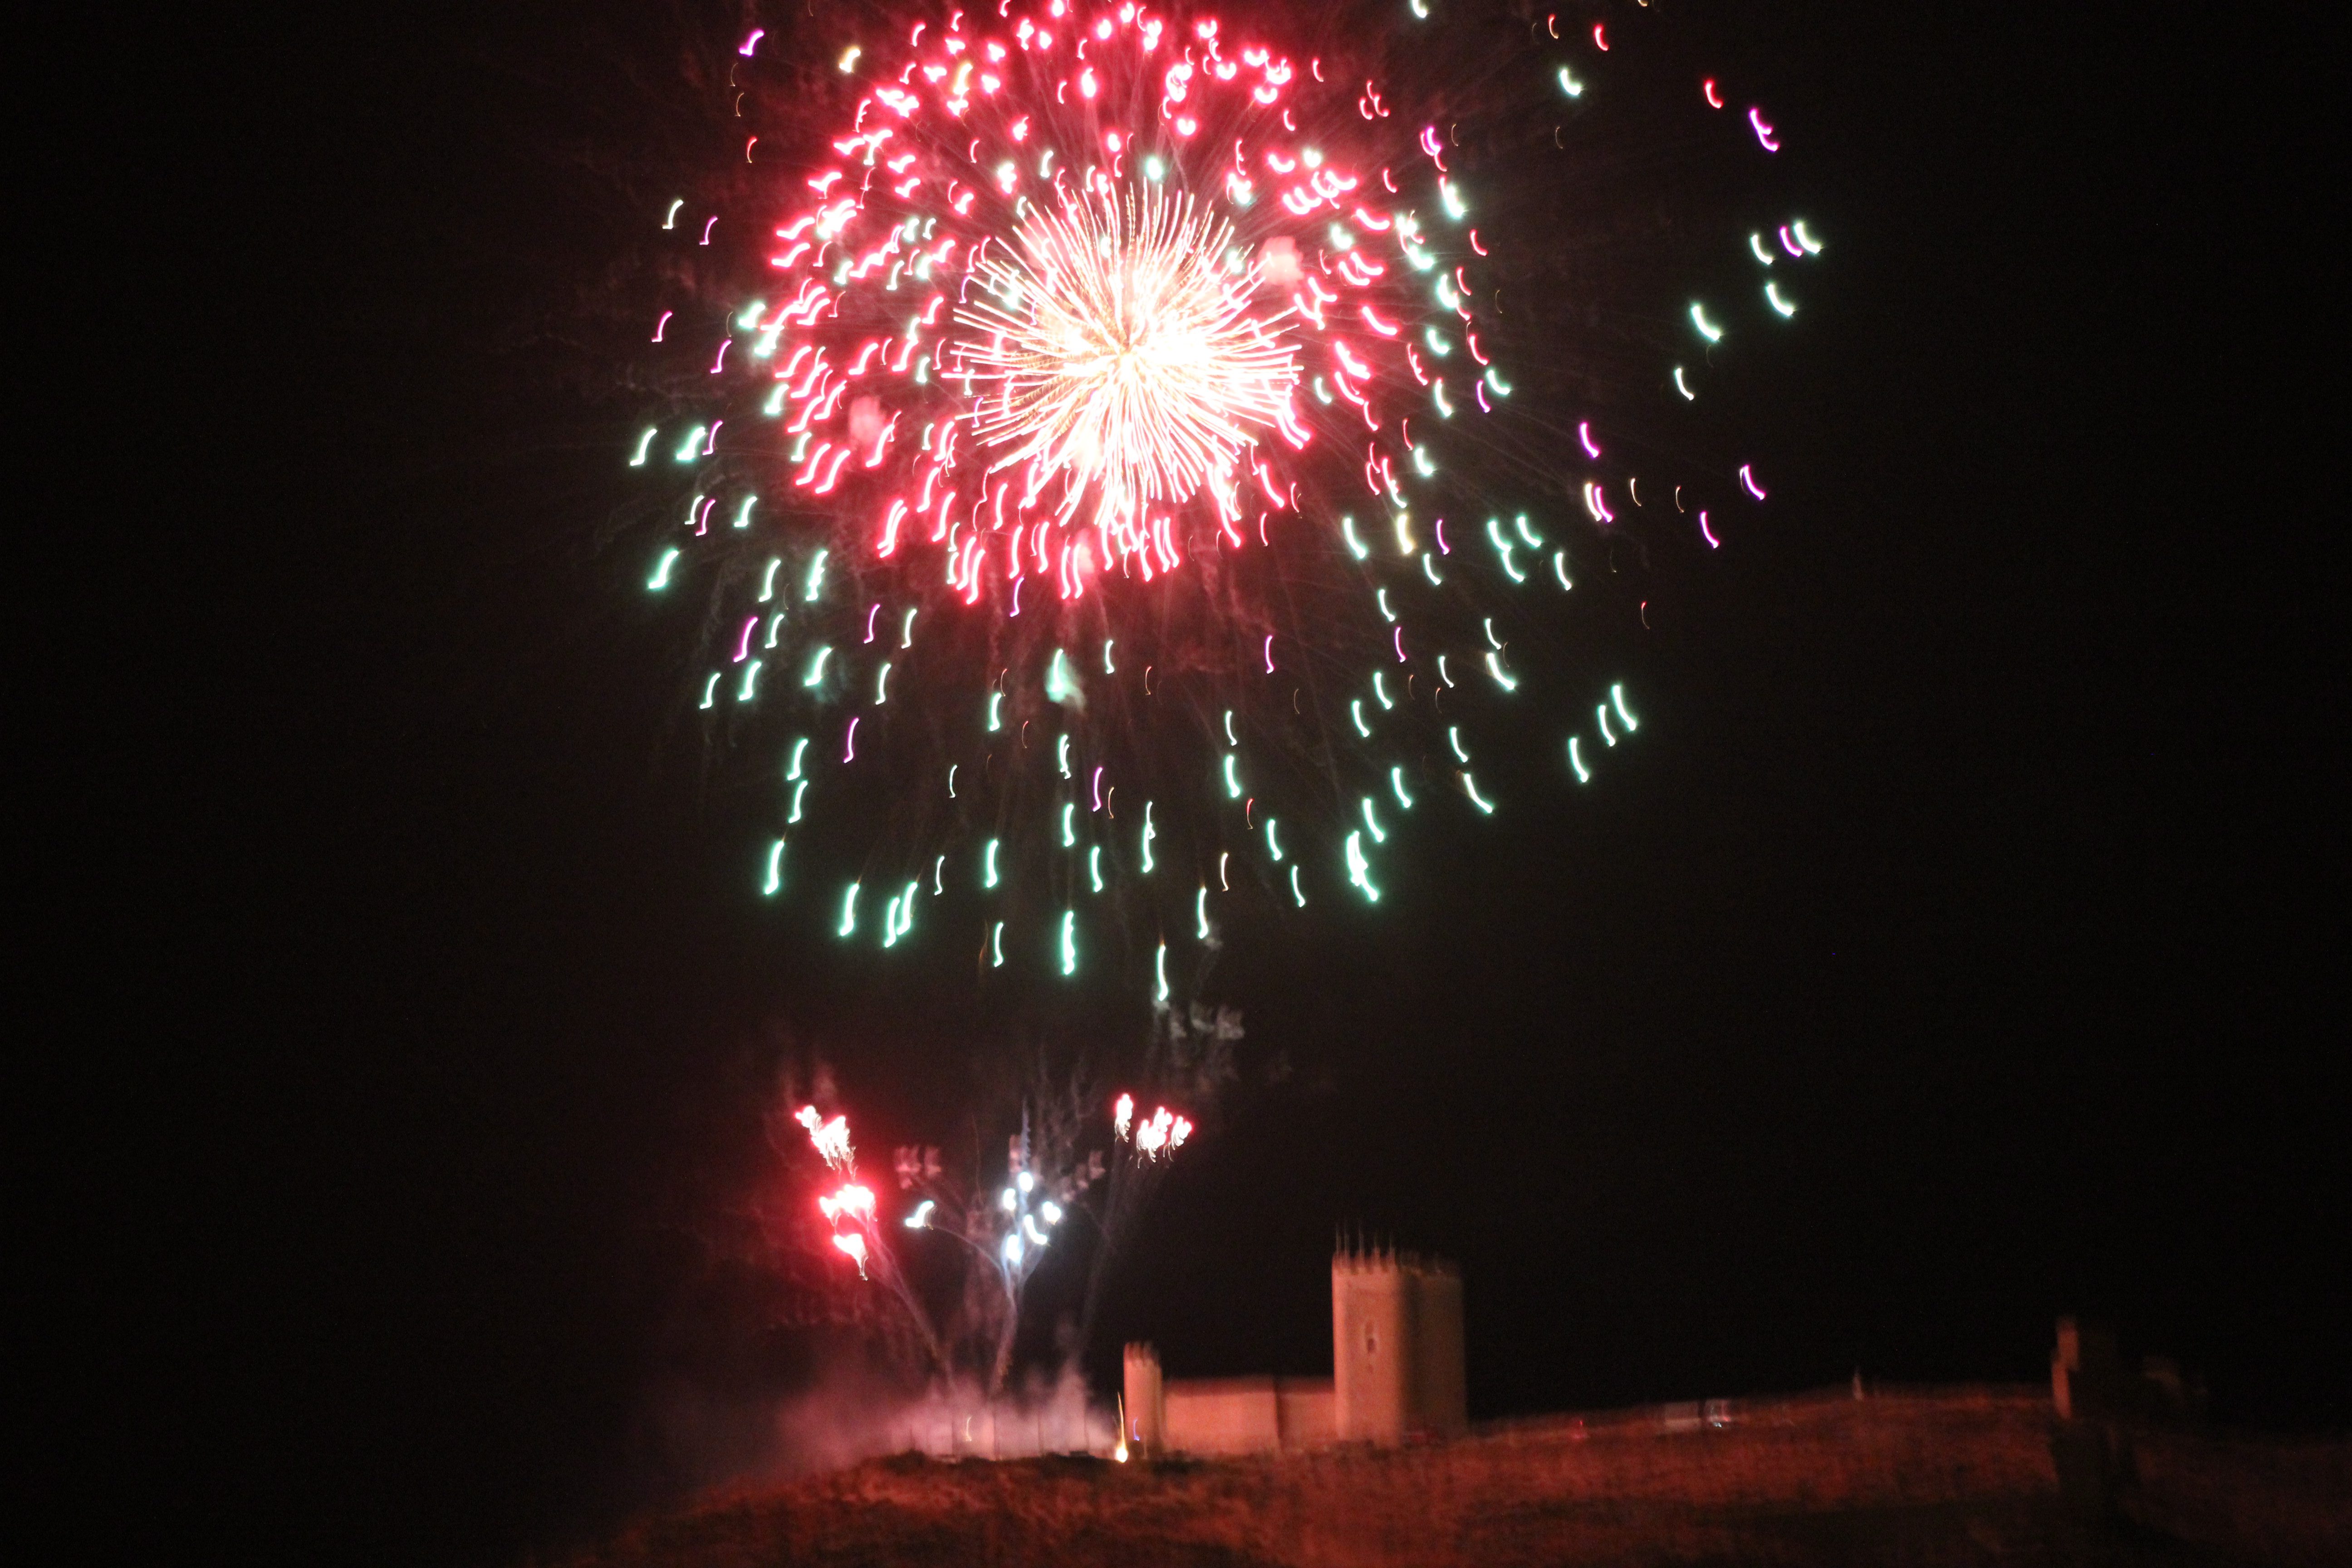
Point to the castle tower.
(1146, 1403)
(1371, 1348)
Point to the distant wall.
(1246, 1415)
(1304, 1408)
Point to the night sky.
(1956, 947)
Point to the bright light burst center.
(1121, 351)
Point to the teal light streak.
(1534, 539)
(800, 748)
(1108, 667)
(1233, 780)
(744, 513)
(1437, 396)
(1231, 738)
(799, 791)
(644, 442)
(996, 945)
(775, 869)
(1159, 967)
(1396, 783)
(996, 704)
(1372, 821)
(1201, 912)
(1576, 761)
(1617, 699)
(1454, 739)
(1356, 546)
(816, 577)
(1069, 825)
(1380, 691)
(1062, 755)
(1273, 840)
(907, 631)
(709, 687)
(1356, 711)
(1607, 734)
(660, 579)
(1094, 867)
(1559, 570)
(1359, 871)
(751, 681)
(1494, 669)
(1069, 942)
(816, 676)
(692, 446)
(882, 684)
(1495, 384)
(1477, 799)
(1429, 570)
(768, 581)
(1706, 329)
(1386, 613)
(988, 865)
(1294, 888)
(848, 912)
(1149, 833)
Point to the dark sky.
(1955, 950)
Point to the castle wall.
(1224, 1416)
(1303, 1411)
(1441, 1401)
(1246, 1415)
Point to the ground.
(1960, 1477)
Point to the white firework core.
(1120, 349)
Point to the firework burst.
(1120, 356)
(1100, 460)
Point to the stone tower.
(1145, 1403)
(1396, 1348)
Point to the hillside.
(1927, 1479)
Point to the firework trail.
(1101, 468)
